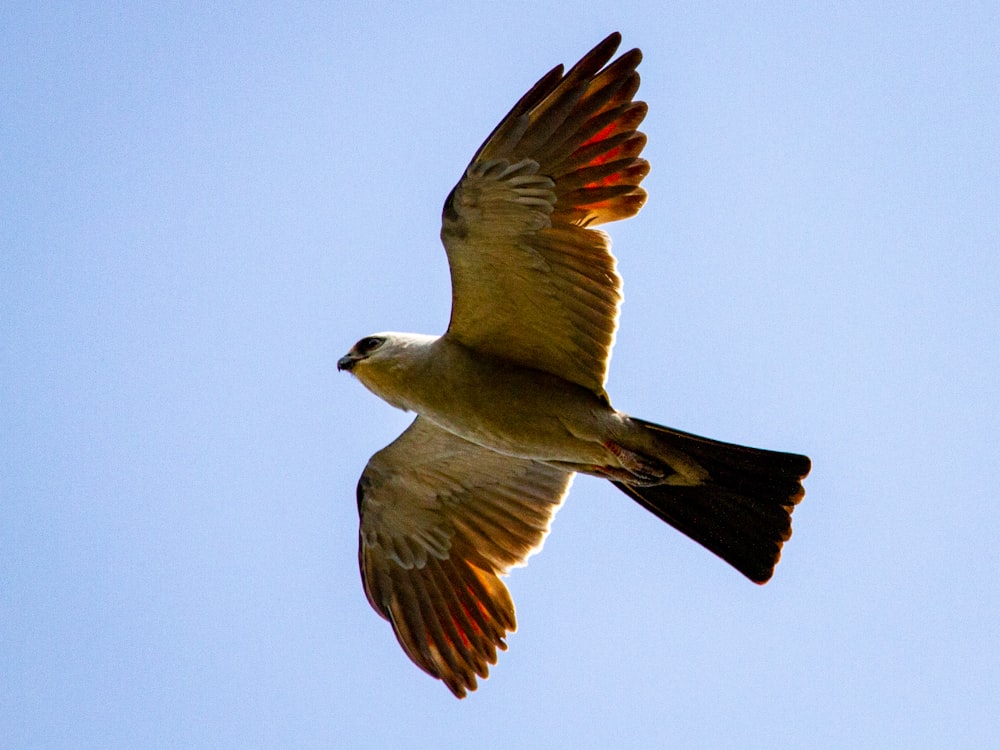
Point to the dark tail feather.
(742, 512)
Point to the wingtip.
(610, 44)
(613, 39)
(600, 54)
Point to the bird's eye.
(369, 344)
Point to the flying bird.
(510, 400)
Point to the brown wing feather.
(565, 158)
(442, 520)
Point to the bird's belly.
(539, 439)
(522, 413)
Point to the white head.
(381, 362)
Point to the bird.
(510, 400)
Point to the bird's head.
(362, 352)
(382, 362)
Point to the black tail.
(742, 512)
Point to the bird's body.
(494, 403)
(516, 410)
(510, 400)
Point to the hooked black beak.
(346, 363)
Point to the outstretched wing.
(441, 520)
(530, 282)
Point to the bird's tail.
(742, 509)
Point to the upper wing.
(530, 282)
(441, 520)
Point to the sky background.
(202, 208)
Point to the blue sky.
(201, 209)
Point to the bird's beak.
(346, 363)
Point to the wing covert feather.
(441, 520)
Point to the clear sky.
(201, 208)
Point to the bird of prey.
(510, 400)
